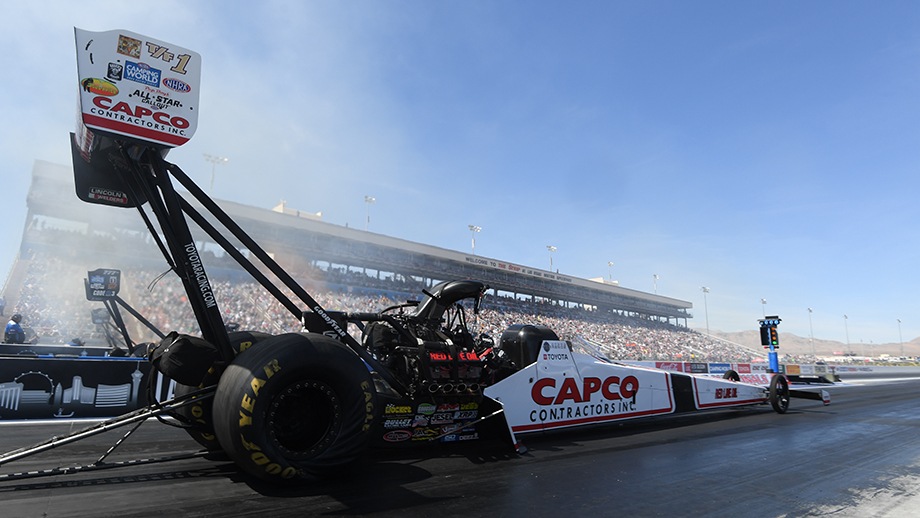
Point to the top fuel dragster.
(293, 406)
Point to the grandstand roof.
(311, 240)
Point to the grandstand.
(344, 268)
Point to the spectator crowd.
(53, 303)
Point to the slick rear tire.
(295, 408)
(731, 375)
(779, 393)
(197, 415)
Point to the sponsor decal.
(397, 409)
(713, 394)
(612, 388)
(129, 46)
(201, 277)
(114, 71)
(391, 424)
(177, 85)
(159, 102)
(138, 116)
(452, 437)
(727, 393)
(468, 436)
(470, 406)
(555, 351)
(699, 368)
(719, 368)
(334, 325)
(108, 195)
(442, 418)
(448, 407)
(466, 414)
(142, 73)
(587, 412)
(99, 87)
(670, 366)
(425, 434)
(420, 420)
(574, 401)
(427, 408)
(743, 368)
(397, 436)
(755, 379)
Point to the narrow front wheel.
(779, 393)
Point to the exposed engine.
(428, 344)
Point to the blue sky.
(765, 150)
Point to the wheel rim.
(784, 394)
(781, 396)
(303, 419)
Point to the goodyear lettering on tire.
(368, 406)
(247, 403)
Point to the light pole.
(900, 338)
(551, 249)
(368, 201)
(811, 334)
(215, 160)
(610, 270)
(655, 282)
(706, 306)
(473, 230)
(763, 305)
(846, 328)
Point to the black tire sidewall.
(779, 393)
(250, 384)
(731, 375)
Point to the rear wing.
(133, 89)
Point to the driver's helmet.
(16, 318)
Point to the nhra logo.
(177, 85)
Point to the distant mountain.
(797, 345)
